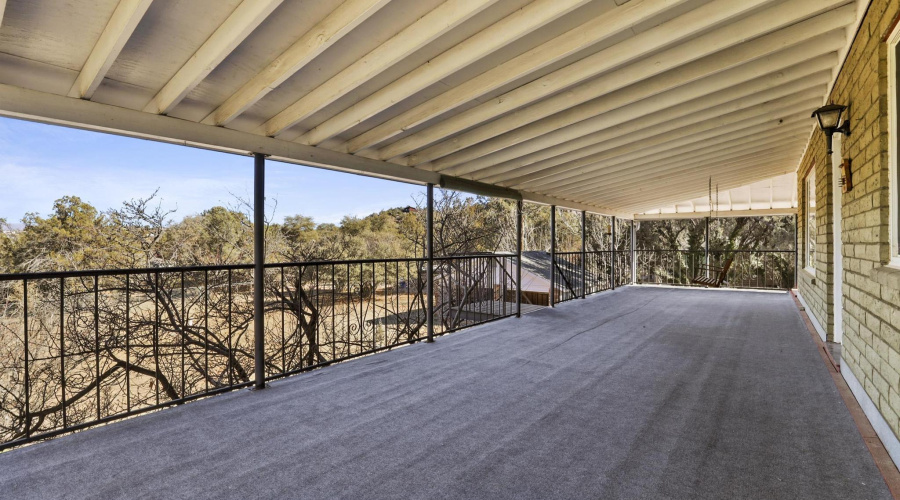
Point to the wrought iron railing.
(767, 269)
(86, 347)
(569, 277)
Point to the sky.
(41, 163)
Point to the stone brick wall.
(817, 288)
(871, 291)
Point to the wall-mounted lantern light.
(829, 118)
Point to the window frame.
(809, 186)
(893, 43)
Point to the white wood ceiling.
(616, 105)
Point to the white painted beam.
(118, 30)
(627, 51)
(632, 142)
(646, 80)
(718, 214)
(612, 129)
(651, 200)
(323, 35)
(736, 136)
(590, 33)
(638, 200)
(734, 152)
(238, 26)
(2, 11)
(755, 139)
(663, 176)
(696, 176)
(437, 22)
(500, 34)
(689, 138)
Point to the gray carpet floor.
(639, 393)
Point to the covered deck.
(644, 392)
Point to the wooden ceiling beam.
(496, 36)
(756, 140)
(708, 131)
(425, 30)
(639, 82)
(592, 32)
(777, 75)
(632, 135)
(678, 170)
(608, 63)
(740, 176)
(237, 27)
(118, 30)
(335, 26)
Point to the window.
(811, 221)
(894, 144)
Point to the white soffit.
(616, 106)
(777, 195)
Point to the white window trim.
(809, 266)
(893, 149)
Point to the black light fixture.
(829, 118)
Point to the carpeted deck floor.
(641, 393)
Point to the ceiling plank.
(592, 32)
(242, 21)
(755, 137)
(760, 75)
(566, 145)
(714, 128)
(743, 142)
(118, 30)
(687, 165)
(643, 197)
(641, 200)
(323, 35)
(716, 213)
(673, 67)
(2, 10)
(439, 21)
(500, 34)
(617, 66)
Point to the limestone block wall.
(817, 286)
(871, 290)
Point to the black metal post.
(519, 259)
(633, 257)
(552, 255)
(583, 253)
(259, 260)
(706, 247)
(429, 271)
(614, 260)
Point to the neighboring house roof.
(536, 270)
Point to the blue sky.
(41, 163)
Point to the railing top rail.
(86, 273)
(701, 250)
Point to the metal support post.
(633, 255)
(706, 247)
(518, 259)
(613, 258)
(552, 255)
(429, 271)
(259, 261)
(583, 254)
